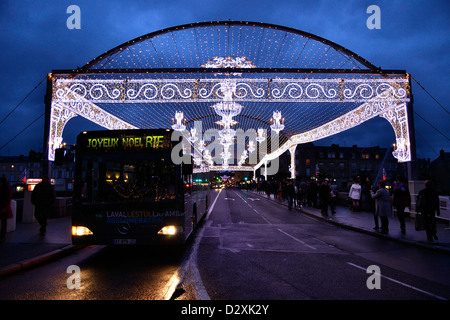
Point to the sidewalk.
(364, 222)
(25, 247)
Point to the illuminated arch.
(320, 87)
(110, 59)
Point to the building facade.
(17, 169)
(346, 163)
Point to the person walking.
(290, 193)
(401, 200)
(383, 205)
(333, 194)
(374, 210)
(355, 195)
(312, 194)
(324, 196)
(302, 193)
(5, 206)
(428, 205)
(366, 199)
(280, 191)
(43, 198)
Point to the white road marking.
(401, 283)
(298, 240)
(264, 218)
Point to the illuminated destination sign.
(154, 142)
(126, 141)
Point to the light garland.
(312, 102)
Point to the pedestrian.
(43, 198)
(296, 204)
(312, 194)
(383, 205)
(324, 196)
(402, 199)
(302, 193)
(290, 193)
(5, 206)
(366, 199)
(334, 193)
(374, 211)
(428, 205)
(280, 191)
(355, 195)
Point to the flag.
(23, 176)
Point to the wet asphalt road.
(248, 247)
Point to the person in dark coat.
(43, 198)
(383, 206)
(5, 206)
(402, 199)
(428, 205)
(324, 196)
(290, 193)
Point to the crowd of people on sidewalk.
(311, 193)
(363, 195)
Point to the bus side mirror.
(59, 156)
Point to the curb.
(416, 243)
(38, 260)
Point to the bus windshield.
(115, 178)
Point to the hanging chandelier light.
(260, 135)
(193, 138)
(227, 109)
(226, 136)
(278, 122)
(201, 145)
(178, 126)
(251, 146)
(400, 151)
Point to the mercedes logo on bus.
(124, 227)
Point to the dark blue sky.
(414, 36)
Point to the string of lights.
(286, 81)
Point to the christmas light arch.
(317, 88)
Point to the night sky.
(35, 40)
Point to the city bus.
(127, 189)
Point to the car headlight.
(81, 231)
(170, 230)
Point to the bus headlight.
(81, 231)
(170, 230)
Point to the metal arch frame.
(209, 90)
(397, 114)
(73, 97)
(123, 46)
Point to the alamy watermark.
(74, 280)
(374, 20)
(374, 280)
(74, 20)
